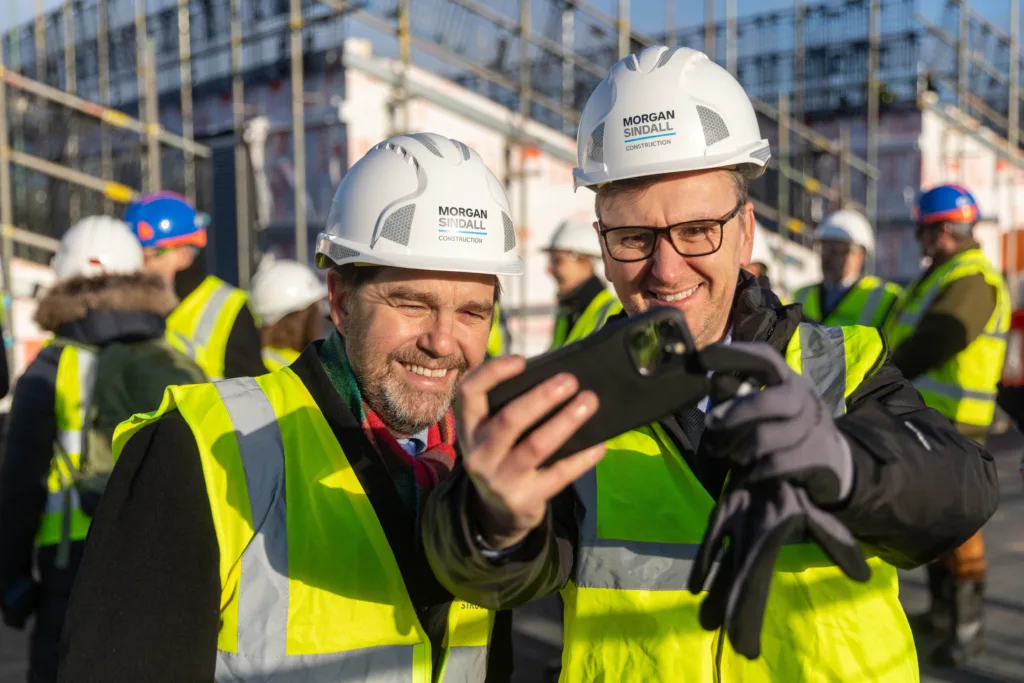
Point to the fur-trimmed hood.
(76, 299)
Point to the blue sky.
(649, 15)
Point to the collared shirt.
(415, 444)
(831, 294)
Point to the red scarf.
(430, 466)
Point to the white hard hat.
(284, 286)
(847, 225)
(578, 236)
(97, 245)
(668, 110)
(761, 253)
(421, 201)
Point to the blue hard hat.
(166, 219)
(946, 204)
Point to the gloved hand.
(784, 431)
(787, 459)
(759, 521)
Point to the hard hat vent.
(597, 144)
(339, 252)
(510, 232)
(398, 225)
(462, 148)
(761, 154)
(714, 126)
(665, 57)
(631, 63)
(428, 143)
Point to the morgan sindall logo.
(649, 130)
(461, 224)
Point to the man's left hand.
(783, 432)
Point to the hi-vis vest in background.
(276, 357)
(629, 617)
(201, 324)
(866, 303)
(63, 519)
(964, 389)
(497, 340)
(603, 306)
(310, 589)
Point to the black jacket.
(572, 305)
(244, 354)
(152, 545)
(912, 503)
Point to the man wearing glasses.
(855, 460)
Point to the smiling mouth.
(426, 372)
(674, 297)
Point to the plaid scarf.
(414, 476)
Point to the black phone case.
(642, 368)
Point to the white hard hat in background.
(283, 286)
(97, 245)
(578, 236)
(664, 111)
(847, 225)
(761, 252)
(421, 201)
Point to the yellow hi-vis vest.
(201, 324)
(276, 357)
(603, 306)
(629, 617)
(497, 343)
(866, 302)
(63, 520)
(964, 389)
(310, 588)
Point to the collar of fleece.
(73, 299)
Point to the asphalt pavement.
(538, 630)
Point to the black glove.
(758, 521)
(19, 602)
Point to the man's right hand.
(513, 492)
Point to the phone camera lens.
(667, 330)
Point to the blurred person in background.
(846, 296)
(760, 257)
(101, 300)
(948, 331)
(288, 299)
(499, 340)
(584, 301)
(213, 324)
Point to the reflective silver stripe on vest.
(208, 320)
(465, 664)
(651, 566)
(263, 586)
(275, 357)
(55, 501)
(73, 440)
(867, 315)
(602, 315)
(823, 357)
(951, 391)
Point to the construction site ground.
(538, 632)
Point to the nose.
(666, 263)
(438, 339)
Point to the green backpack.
(130, 378)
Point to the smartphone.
(642, 368)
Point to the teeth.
(426, 372)
(678, 296)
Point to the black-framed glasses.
(693, 238)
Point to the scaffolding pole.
(874, 86)
(568, 70)
(623, 25)
(39, 33)
(187, 120)
(783, 174)
(241, 164)
(103, 81)
(299, 132)
(670, 23)
(7, 218)
(1013, 115)
(709, 29)
(71, 87)
(141, 58)
(963, 40)
(731, 59)
(524, 58)
(405, 59)
(152, 119)
(799, 58)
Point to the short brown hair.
(295, 330)
(634, 186)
